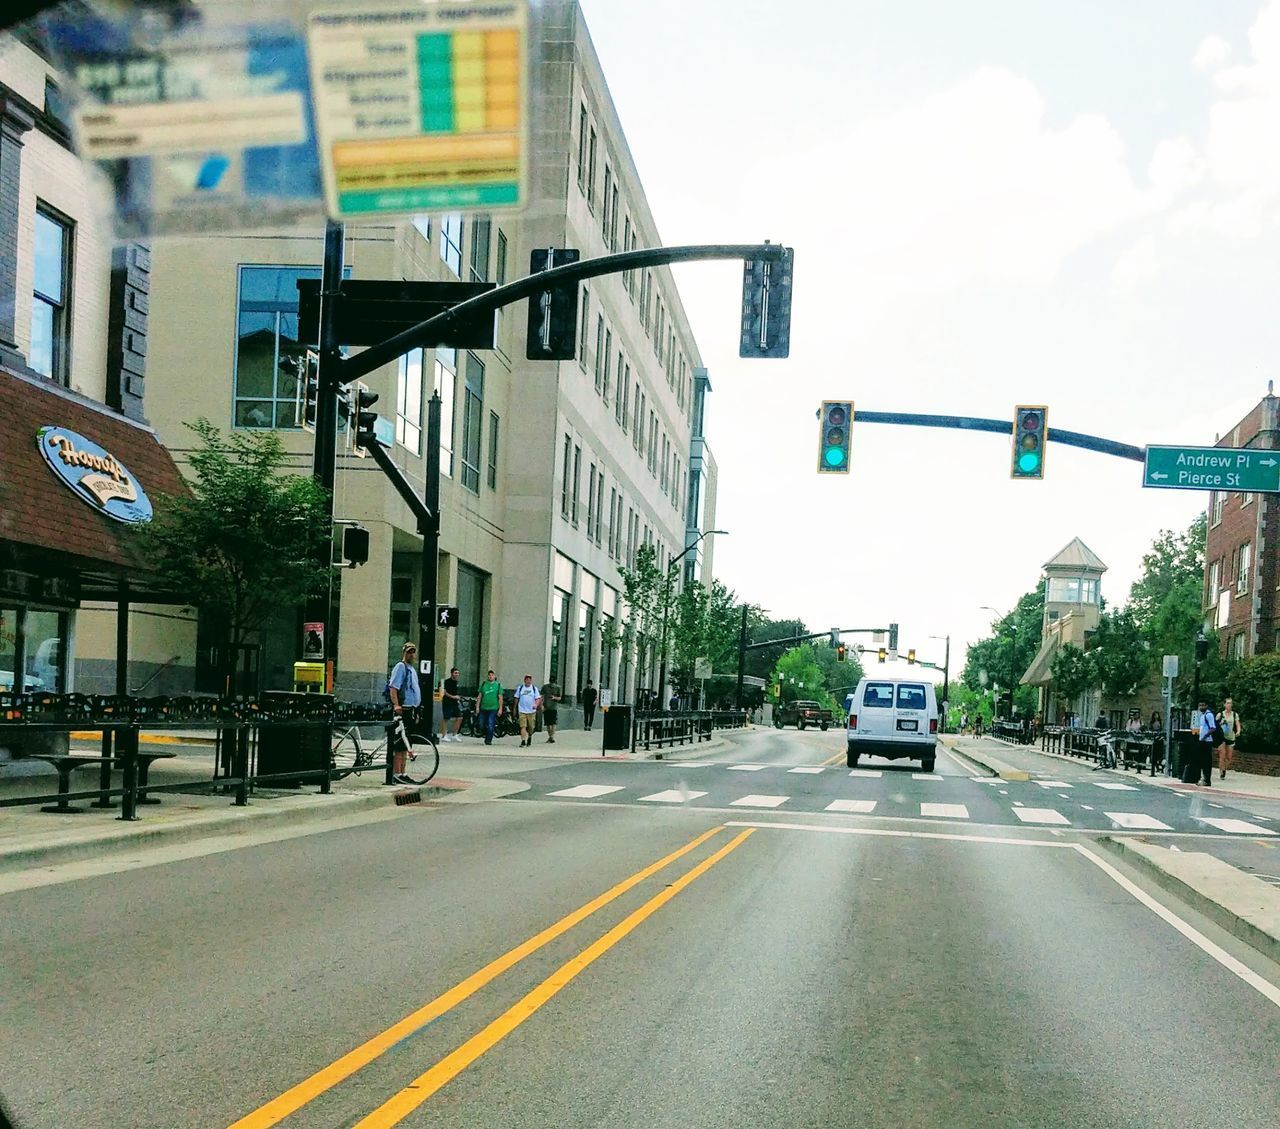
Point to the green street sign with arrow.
(1213, 468)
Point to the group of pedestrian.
(1218, 733)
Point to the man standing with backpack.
(406, 696)
(1210, 737)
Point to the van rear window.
(878, 695)
(911, 697)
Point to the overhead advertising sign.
(200, 116)
(421, 107)
(94, 475)
(1213, 468)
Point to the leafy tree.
(1254, 688)
(1073, 673)
(1009, 650)
(838, 675)
(1119, 655)
(642, 592)
(800, 678)
(247, 540)
(760, 663)
(705, 623)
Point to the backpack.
(386, 690)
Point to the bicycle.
(350, 754)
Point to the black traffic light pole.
(430, 560)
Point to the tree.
(642, 590)
(1254, 686)
(1009, 651)
(760, 662)
(246, 541)
(1119, 655)
(838, 675)
(800, 678)
(705, 622)
(1073, 673)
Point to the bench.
(66, 763)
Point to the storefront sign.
(313, 641)
(97, 476)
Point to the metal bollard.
(129, 801)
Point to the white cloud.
(1138, 264)
(1211, 54)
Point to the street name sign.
(1212, 468)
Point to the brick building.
(1242, 565)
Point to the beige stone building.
(554, 473)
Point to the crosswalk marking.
(747, 767)
(811, 769)
(754, 801)
(1054, 784)
(863, 807)
(672, 796)
(945, 811)
(1113, 787)
(1041, 815)
(1136, 821)
(926, 776)
(866, 772)
(588, 791)
(1235, 826)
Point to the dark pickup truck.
(801, 714)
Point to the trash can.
(1184, 751)
(617, 728)
(295, 746)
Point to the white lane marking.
(671, 796)
(1243, 971)
(811, 769)
(945, 811)
(1041, 815)
(754, 801)
(1016, 803)
(1137, 821)
(588, 791)
(1004, 791)
(926, 776)
(1086, 807)
(1054, 784)
(1063, 796)
(1218, 806)
(746, 767)
(1113, 787)
(866, 772)
(863, 807)
(989, 780)
(1235, 826)
(892, 833)
(690, 764)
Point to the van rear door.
(875, 715)
(911, 710)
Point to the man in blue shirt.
(406, 697)
(1208, 733)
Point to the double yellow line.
(421, 1088)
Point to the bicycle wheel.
(345, 757)
(423, 760)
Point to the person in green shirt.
(489, 705)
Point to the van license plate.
(908, 725)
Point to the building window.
(447, 388)
(481, 229)
(50, 353)
(422, 224)
(582, 147)
(613, 219)
(409, 402)
(1215, 582)
(500, 267)
(1219, 502)
(613, 520)
(600, 353)
(599, 505)
(564, 477)
(626, 246)
(584, 323)
(624, 392)
(1235, 647)
(266, 394)
(653, 444)
(608, 355)
(591, 170)
(472, 423)
(451, 242)
(493, 450)
(577, 485)
(591, 499)
(646, 286)
(605, 197)
(1244, 565)
(637, 421)
(1246, 499)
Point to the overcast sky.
(991, 203)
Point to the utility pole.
(427, 614)
(742, 655)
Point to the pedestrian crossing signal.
(1030, 433)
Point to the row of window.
(483, 250)
(1241, 564)
(467, 450)
(1219, 504)
(585, 508)
(50, 352)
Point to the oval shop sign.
(97, 476)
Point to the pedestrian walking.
(406, 696)
(489, 705)
(550, 712)
(1210, 738)
(527, 700)
(450, 708)
(589, 698)
(964, 721)
(1230, 725)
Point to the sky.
(996, 203)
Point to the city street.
(716, 941)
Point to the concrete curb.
(1246, 907)
(124, 837)
(985, 760)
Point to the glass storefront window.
(559, 611)
(586, 622)
(45, 660)
(8, 646)
(607, 653)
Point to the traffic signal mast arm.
(794, 639)
(361, 364)
(388, 466)
(1005, 427)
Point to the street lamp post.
(666, 608)
(946, 673)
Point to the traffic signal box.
(836, 423)
(841, 652)
(552, 332)
(766, 307)
(364, 418)
(1030, 434)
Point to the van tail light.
(933, 725)
(853, 721)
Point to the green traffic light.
(834, 456)
(1029, 462)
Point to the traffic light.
(1030, 433)
(835, 421)
(841, 652)
(882, 654)
(355, 545)
(364, 419)
(553, 313)
(307, 371)
(911, 656)
(1202, 648)
(766, 306)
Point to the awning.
(1040, 672)
(75, 477)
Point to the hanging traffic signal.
(835, 422)
(355, 545)
(364, 418)
(911, 656)
(307, 370)
(841, 652)
(766, 307)
(882, 654)
(1030, 433)
(552, 333)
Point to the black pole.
(946, 676)
(1013, 660)
(666, 614)
(109, 741)
(431, 556)
(742, 654)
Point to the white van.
(893, 717)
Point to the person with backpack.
(1210, 738)
(489, 705)
(405, 695)
(527, 702)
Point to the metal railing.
(663, 729)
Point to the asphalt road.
(656, 965)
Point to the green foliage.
(247, 540)
(1008, 651)
(838, 677)
(760, 663)
(642, 592)
(1254, 687)
(1072, 672)
(1119, 655)
(705, 623)
(800, 678)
